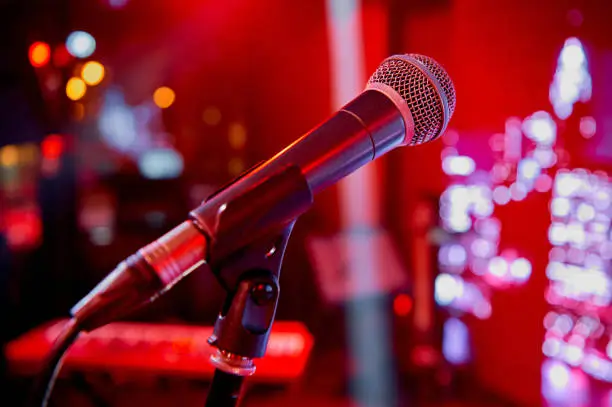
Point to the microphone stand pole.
(248, 237)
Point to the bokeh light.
(588, 127)
(164, 97)
(61, 56)
(161, 163)
(211, 116)
(92, 73)
(235, 166)
(39, 54)
(52, 146)
(9, 156)
(80, 44)
(237, 135)
(402, 305)
(75, 88)
(458, 165)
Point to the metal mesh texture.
(442, 77)
(417, 89)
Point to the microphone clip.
(248, 235)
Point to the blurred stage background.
(474, 270)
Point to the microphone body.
(367, 127)
(381, 118)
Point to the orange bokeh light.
(164, 97)
(92, 73)
(75, 88)
(40, 54)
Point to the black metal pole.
(225, 390)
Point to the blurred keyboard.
(159, 350)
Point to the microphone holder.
(248, 237)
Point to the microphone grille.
(425, 87)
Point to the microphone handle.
(364, 129)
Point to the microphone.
(409, 100)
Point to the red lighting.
(52, 146)
(402, 305)
(61, 56)
(39, 54)
(23, 228)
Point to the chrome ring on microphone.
(176, 253)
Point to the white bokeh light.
(80, 44)
(520, 269)
(447, 289)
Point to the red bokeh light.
(23, 228)
(61, 56)
(52, 146)
(402, 305)
(40, 54)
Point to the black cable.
(43, 386)
(225, 390)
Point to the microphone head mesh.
(425, 87)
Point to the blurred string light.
(588, 127)
(92, 73)
(572, 80)
(501, 195)
(39, 54)
(75, 88)
(507, 269)
(518, 191)
(458, 165)
(520, 269)
(543, 183)
(513, 140)
(483, 248)
(164, 97)
(447, 288)
(456, 342)
(545, 156)
(528, 171)
(579, 272)
(540, 128)
(460, 202)
(80, 44)
(556, 374)
(452, 255)
(498, 267)
(467, 206)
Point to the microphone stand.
(248, 237)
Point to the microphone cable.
(45, 381)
